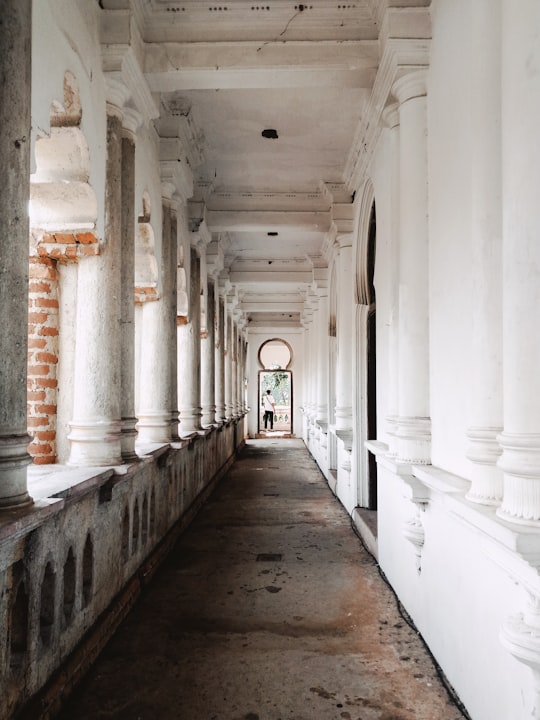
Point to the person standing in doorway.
(269, 405)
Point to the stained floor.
(268, 608)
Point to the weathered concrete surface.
(221, 635)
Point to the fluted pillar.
(520, 439)
(344, 334)
(189, 343)
(15, 84)
(96, 427)
(220, 359)
(391, 120)
(413, 425)
(127, 326)
(485, 354)
(208, 359)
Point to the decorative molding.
(400, 55)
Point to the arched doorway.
(366, 358)
(275, 357)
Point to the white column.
(220, 359)
(321, 415)
(189, 344)
(520, 440)
(228, 364)
(485, 353)
(15, 84)
(414, 424)
(345, 326)
(391, 120)
(127, 327)
(234, 368)
(96, 428)
(173, 333)
(154, 413)
(208, 358)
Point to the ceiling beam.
(254, 220)
(170, 67)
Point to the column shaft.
(486, 412)
(322, 357)
(127, 326)
(189, 371)
(154, 414)
(208, 359)
(520, 440)
(15, 84)
(220, 360)
(414, 425)
(96, 428)
(344, 336)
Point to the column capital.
(390, 115)
(411, 85)
(117, 96)
(131, 122)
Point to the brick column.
(15, 83)
(42, 358)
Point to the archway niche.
(275, 358)
(365, 356)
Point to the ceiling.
(226, 71)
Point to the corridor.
(268, 608)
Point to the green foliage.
(279, 384)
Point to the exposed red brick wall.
(52, 248)
(42, 358)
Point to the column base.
(190, 421)
(154, 427)
(414, 440)
(486, 478)
(520, 463)
(95, 444)
(127, 439)
(14, 459)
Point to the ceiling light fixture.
(270, 134)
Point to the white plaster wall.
(459, 601)
(295, 338)
(449, 151)
(65, 37)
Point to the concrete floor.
(228, 631)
